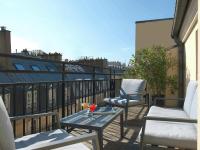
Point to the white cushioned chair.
(56, 139)
(173, 127)
(132, 93)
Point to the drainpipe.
(181, 66)
(180, 12)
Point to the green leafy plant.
(152, 65)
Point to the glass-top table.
(101, 118)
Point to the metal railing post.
(110, 82)
(114, 83)
(93, 90)
(14, 109)
(63, 89)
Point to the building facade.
(186, 34)
(157, 32)
(154, 32)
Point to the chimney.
(5, 42)
(5, 47)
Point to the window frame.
(49, 68)
(33, 67)
(18, 66)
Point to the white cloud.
(20, 43)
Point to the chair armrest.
(169, 119)
(37, 116)
(139, 93)
(32, 116)
(168, 98)
(185, 120)
(78, 139)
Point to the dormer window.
(35, 68)
(19, 67)
(50, 68)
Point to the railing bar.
(101, 84)
(85, 91)
(79, 93)
(47, 103)
(75, 87)
(94, 85)
(114, 84)
(14, 109)
(27, 83)
(110, 82)
(82, 98)
(108, 87)
(52, 95)
(88, 92)
(57, 104)
(68, 98)
(39, 93)
(71, 96)
(24, 109)
(63, 90)
(51, 72)
(32, 109)
(57, 98)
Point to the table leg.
(100, 137)
(122, 125)
(90, 131)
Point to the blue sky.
(75, 28)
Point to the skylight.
(35, 68)
(19, 67)
(50, 68)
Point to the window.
(19, 67)
(50, 68)
(35, 68)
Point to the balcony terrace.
(32, 85)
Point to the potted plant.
(152, 65)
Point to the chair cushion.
(191, 88)
(182, 135)
(118, 101)
(167, 112)
(194, 105)
(132, 86)
(31, 141)
(6, 130)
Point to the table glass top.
(101, 117)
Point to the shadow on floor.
(121, 146)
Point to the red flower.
(92, 107)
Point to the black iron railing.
(63, 90)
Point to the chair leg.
(126, 115)
(141, 143)
(141, 146)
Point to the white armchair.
(172, 127)
(132, 93)
(56, 139)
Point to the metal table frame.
(91, 126)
